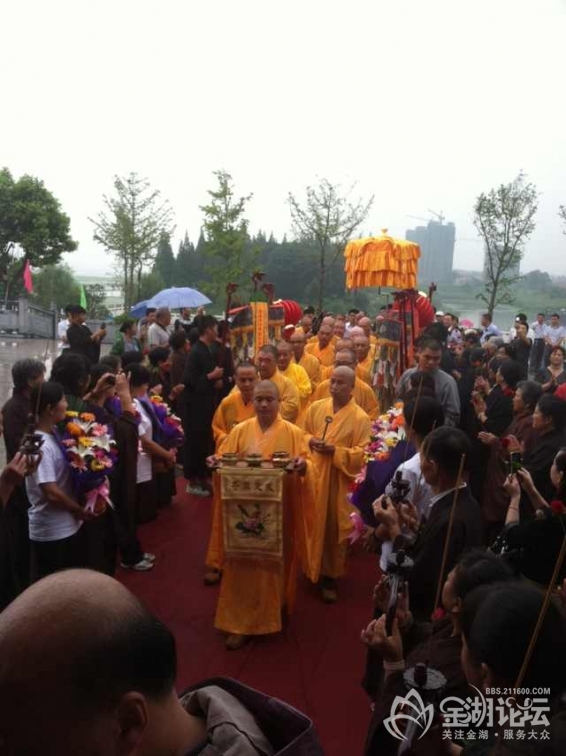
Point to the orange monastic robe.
(229, 413)
(364, 369)
(348, 432)
(324, 356)
(312, 366)
(289, 401)
(299, 377)
(363, 396)
(254, 591)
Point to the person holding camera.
(81, 339)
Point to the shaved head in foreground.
(86, 669)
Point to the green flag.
(82, 300)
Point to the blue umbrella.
(138, 310)
(176, 298)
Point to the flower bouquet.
(171, 433)
(90, 451)
(385, 452)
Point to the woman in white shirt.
(55, 516)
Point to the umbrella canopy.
(138, 310)
(176, 298)
(381, 261)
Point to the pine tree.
(164, 262)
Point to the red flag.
(28, 283)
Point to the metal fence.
(20, 318)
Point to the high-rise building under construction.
(436, 241)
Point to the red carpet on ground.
(315, 664)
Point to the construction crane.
(439, 215)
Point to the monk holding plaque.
(267, 504)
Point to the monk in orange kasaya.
(363, 394)
(322, 348)
(304, 359)
(233, 409)
(254, 591)
(337, 431)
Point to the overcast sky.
(425, 103)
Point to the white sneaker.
(142, 566)
(149, 557)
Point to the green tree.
(505, 219)
(130, 226)
(32, 226)
(327, 219)
(150, 284)
(164, 263)
(96, 302)
(230, 257)
(55, 285)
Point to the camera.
(111, 380)
(103, 326)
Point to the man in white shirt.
(554, 336)
(490, 329)
(539, 332)
(422, 415)
(62, 328)
(158, 332)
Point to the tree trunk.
(321, 276)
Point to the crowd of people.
(482, 517)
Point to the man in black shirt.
(202, 379)
(81, 339)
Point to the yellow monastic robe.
(324, 356)
(349, 432)
(289, 401)
(229, 413)
(299, 377)
(312, 366)
(364, 370)
(254, 591)
(363, 396)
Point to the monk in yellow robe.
(294, 373)
(337, 449)
(322, 348)
(304, 359)
(237, 406)
(289, 400)
(233, 409)
(364, 358)
(364, 396)
(341, 345)
(254, 591)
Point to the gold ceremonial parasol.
(381, 261)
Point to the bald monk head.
(345, 358)
(328, 320)
(344, 344)
(267, 362)
(339, 328)
(342, 381)
(356, 331)
(246, 379)
(266, 403)
(365, 323)
(86, 669)
(298, 342)
(284, 354)
(324, 335)
(361, 347)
